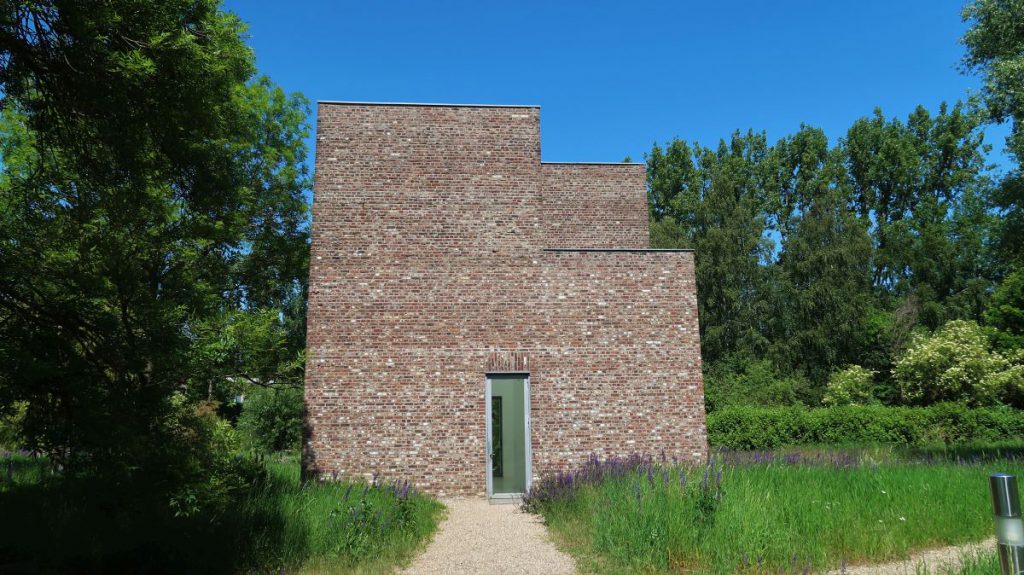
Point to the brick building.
(477, 317)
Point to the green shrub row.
(741, 427)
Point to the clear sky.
(614, 77)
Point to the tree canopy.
(995, 51)
(822, 266)
(815, 256)
(152, 199)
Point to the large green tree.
(995, 50)
(922, 185)
(713, 200)
(822, 275)
(152, 193)
(812, 256)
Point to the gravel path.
(480, 539)
(936, 559)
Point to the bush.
(164, 518)
(212, 474)
(747, 382)
(851, 386)
(271, 419)
(955, 364)
(771, 427)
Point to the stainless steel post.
(1009, 526)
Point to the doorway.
(508, 435)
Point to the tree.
(1006, 312)
(824, 281)
(922, 186)
(152, 188)
(813, 256)
(713, 201)
(995, 50)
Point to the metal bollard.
(1009, 526)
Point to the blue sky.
(614, 77)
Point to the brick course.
(431, 266)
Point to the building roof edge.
(623, 250)
(424, 104)
(595, 163)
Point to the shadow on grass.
(54, 526)
(278, 524)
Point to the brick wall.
(428, 269)
(620, 370)
(595, 205)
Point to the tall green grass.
(773, 517)
(334, 526)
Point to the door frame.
(487, 438)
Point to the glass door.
(508, 434)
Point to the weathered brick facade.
(444, 249)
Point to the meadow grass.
(787, 513)
(335, 527)
(281, 524)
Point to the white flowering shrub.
(851, 386)
(956, 363)
(1008, 383)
